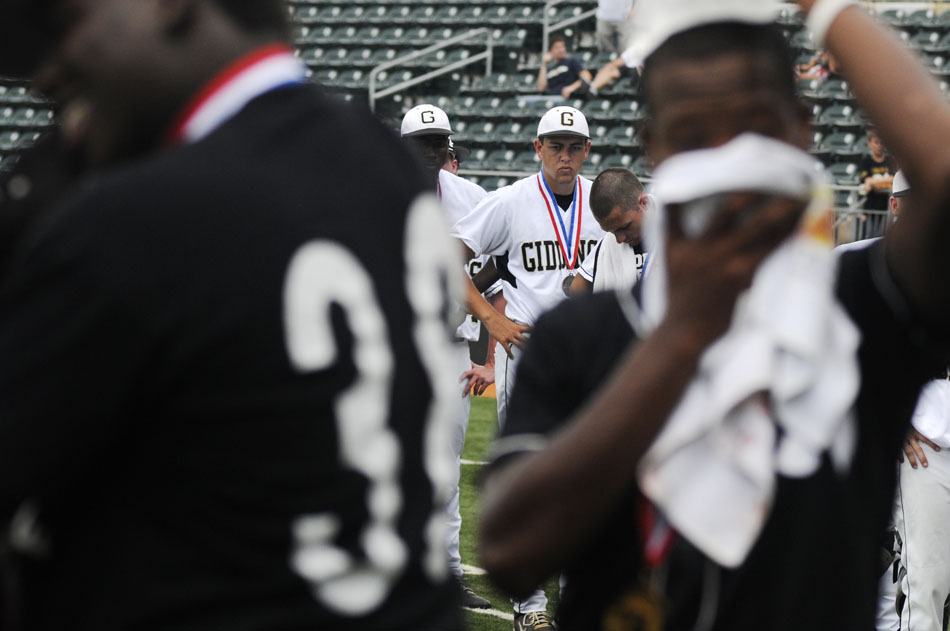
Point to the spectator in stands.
(559, 73)
(820, 66)
(876, 170)
(613, 25)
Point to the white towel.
(655, 21)
(713, 467)
(617, 264)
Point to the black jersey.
(816, 563)
(217, 403)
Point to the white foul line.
(477, 571)
(493, 612)
(475, 462)
(473, 570)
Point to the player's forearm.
(908, 109)
(476, 304)
(581, 286)
(486, 277)
(529, 525)
(914, 122)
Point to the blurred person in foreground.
(732, 468)
(222, 399)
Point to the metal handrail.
(487, 55)
(548, 27)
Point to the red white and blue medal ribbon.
(262, 70)
(568, 239)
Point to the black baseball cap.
(459, 152)
(26, 36)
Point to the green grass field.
(482, 426)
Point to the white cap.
(655, 21)
(563, 121)
(425, 120)
(900, 187)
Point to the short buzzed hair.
(612, 188)
(707, 41)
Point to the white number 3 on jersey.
(322, 273)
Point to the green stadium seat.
(392, 36)
(383, 55)
(930, 41)
(514, 133)
(32, 118)
(628, 111)
(841, 116)
(898, 18)
(616, 160)
(643, 167)
(598, 135)
(623, 137)
(845, 173)
(311, 56)
(307, 15)
(7, 162)
(526, 162)
(336, 57)
(598, 110)
(843, 145)
(15, 140)
(477, 161)
(345, 35)
(500, 160)
(493, 183)
(527, 15)
(6, 117)
(481, 132)
(369, 35)
(803, 40)
(433, 16)
(834, 89)
(497, 16)
(472, 16)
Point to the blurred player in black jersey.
(223, 358)
(566, 487)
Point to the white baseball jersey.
(537, 245)
(932, 414)
(614, 10)
(612, 265)
(459, 197)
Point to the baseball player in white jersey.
(922, 511)
(426, 129)
(916, 600)
(619, 204)
(538, 229)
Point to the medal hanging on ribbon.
(568, 238)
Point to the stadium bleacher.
(341, 41)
